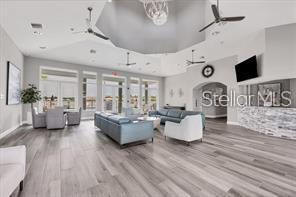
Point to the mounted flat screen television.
(246, 69)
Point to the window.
(89, 91)
(114, 93)
(134, 92)
(58, 88)
(149, 95)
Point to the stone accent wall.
(273, 121)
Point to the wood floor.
(81, 161)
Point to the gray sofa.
(122, 129)
(174, 115)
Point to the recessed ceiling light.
(37, 33)
(109, 1)
(72, 29)
(148, 63)
(36, 25)
(215, 33)
(43, 47)
(92, 51)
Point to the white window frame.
(59, 81)
(143, 92)
(118, 86)
(85, 83)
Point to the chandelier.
(156, 10)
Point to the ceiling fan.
(188, 62)
(89, 27)
(218, 18)
(128, 64)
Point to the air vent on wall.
(36, 25)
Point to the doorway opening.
(206, 99)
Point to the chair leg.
(152, 140)
(21, 185)
(165, 137)
(201, 140)
(188, 143)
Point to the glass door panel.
(50, 94)
(108, 98)
(69, 95)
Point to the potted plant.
(30, 95)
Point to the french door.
(58, 93)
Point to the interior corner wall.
(224, 73)
(32, 74)
(10, 115)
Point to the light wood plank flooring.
(81, 161)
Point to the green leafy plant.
(30, 95)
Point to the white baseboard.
(232, 123)
(8, 131)
(25, 122)
(217, 116)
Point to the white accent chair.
(188, 130)
(12, 169)
(55, 118)
(38, 119)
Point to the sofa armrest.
(13, 155)
(153, 113)
(136, 131)
(41, 116)
(172, 129)
(172, 124)
(73, 114)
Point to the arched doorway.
(207, 99)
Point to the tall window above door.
(150, 96)
(134, 92)
(59, 87)
(89, 91)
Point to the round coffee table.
(156, 121)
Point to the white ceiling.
(58, 17)
(128, 26)
(242, 39)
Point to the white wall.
(259, 15)
(275, 48)
(216, 49)
(32, 75)
(10, 115)
(279, 59)
(224, 73)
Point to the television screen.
(246, 69)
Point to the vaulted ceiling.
(124, 21)
(127, 25)
(58, 18)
